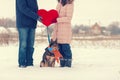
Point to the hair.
(64, 2)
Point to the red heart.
(48, 17)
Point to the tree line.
(113, 28)
(7, 22)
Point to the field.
(93, 59)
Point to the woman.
(63, 32)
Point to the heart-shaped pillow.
(48, 17)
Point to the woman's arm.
(54, 34)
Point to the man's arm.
(25, 10)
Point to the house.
(96, 29)
(106, 33)
(81, 32)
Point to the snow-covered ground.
(90, 62)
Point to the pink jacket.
(62, 30)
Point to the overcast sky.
(85, 11)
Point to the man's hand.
(40, 19)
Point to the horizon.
(85, 12)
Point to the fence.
(86, 42)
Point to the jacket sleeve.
(54, 34)
(22, 6)
(69, 13)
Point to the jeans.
(26, 46)
(65, 50)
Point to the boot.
(68, 62)
(62, 62)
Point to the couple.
(26, 21)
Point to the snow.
(3, 30)
(13, 30)
(89, 63)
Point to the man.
(26, 21)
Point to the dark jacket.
(26, 13)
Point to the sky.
(85, 11)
